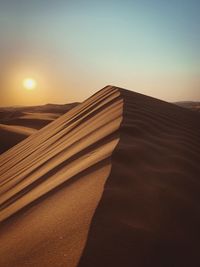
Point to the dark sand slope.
(17, 123)
(52, 182)
(98, 189)
(149, 214)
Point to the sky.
(75, 48)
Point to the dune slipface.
(114, 182)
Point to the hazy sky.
(74, 48)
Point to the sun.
(29, 84)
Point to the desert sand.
(17, 123)
(113, 182)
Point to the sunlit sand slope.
(52, 182)
(149, 213)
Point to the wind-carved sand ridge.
(114, 182)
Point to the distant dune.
(16, 123)
(113, 182)
(195, 106)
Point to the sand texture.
(113, 182)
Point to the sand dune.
(114, 182)
(19, 122)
